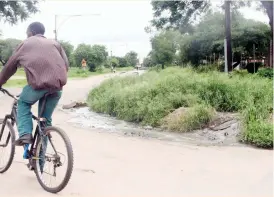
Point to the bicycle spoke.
(53, 162)
(6, 149)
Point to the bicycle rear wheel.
(48, 152)
(7, 139)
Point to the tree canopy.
(7, 47)
(14, 11)
(97, 56)
(132, 58)
(206, 41)
(181, 14)
(164, 47)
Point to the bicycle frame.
(36, 151)
(39, 131)
(13, 117)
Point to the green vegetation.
(21, 10)
(96, 56)
(16, 83)
(151, 97)
(195, 117)
(73, 73)
(205, 40)
(205, 44)
(80, 73)
(266, 72)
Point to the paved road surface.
(112, 165)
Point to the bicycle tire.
(12, 139)
(70, 160)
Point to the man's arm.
(10, 67)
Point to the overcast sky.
(119, 24)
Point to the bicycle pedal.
(30, 167)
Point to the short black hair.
(36, 28)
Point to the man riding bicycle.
(46, 65)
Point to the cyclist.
(46, 65)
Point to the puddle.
(85, 118)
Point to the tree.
(83, 51)
(180, 14)
(122, 62)
(207, 38)
(100, 54)
(114, 62)
(249, 32)
(13, 11)
(94, 55)
(68, 47)
(164, 47)
(147, 62)
(131, 58)
(7, 47)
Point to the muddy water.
(85, 118)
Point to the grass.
(149, 98)
(80, 73)
(16, 83)
(189, 119)
(73, 73)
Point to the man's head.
(35, 28)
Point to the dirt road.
(113, 165)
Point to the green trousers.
(28, 97)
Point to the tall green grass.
(150, 97)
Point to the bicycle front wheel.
(53, 160)
(7, 147)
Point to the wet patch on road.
(223, 135)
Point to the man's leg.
(50, 105)
(28, 97)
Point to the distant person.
(84, 64)
(113, 69)
(46, 66)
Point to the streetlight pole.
(55, 27)
(68, 17)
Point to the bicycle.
(36, 154)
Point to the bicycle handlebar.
(8, 93)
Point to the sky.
(119, 25)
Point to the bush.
(259, 133)
(100, 69)
(157, 68)
(266, 72)
(241, 73)
(152, 96)
(206, 68)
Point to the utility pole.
(228, 36)
(225, 46)
(254, 58)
